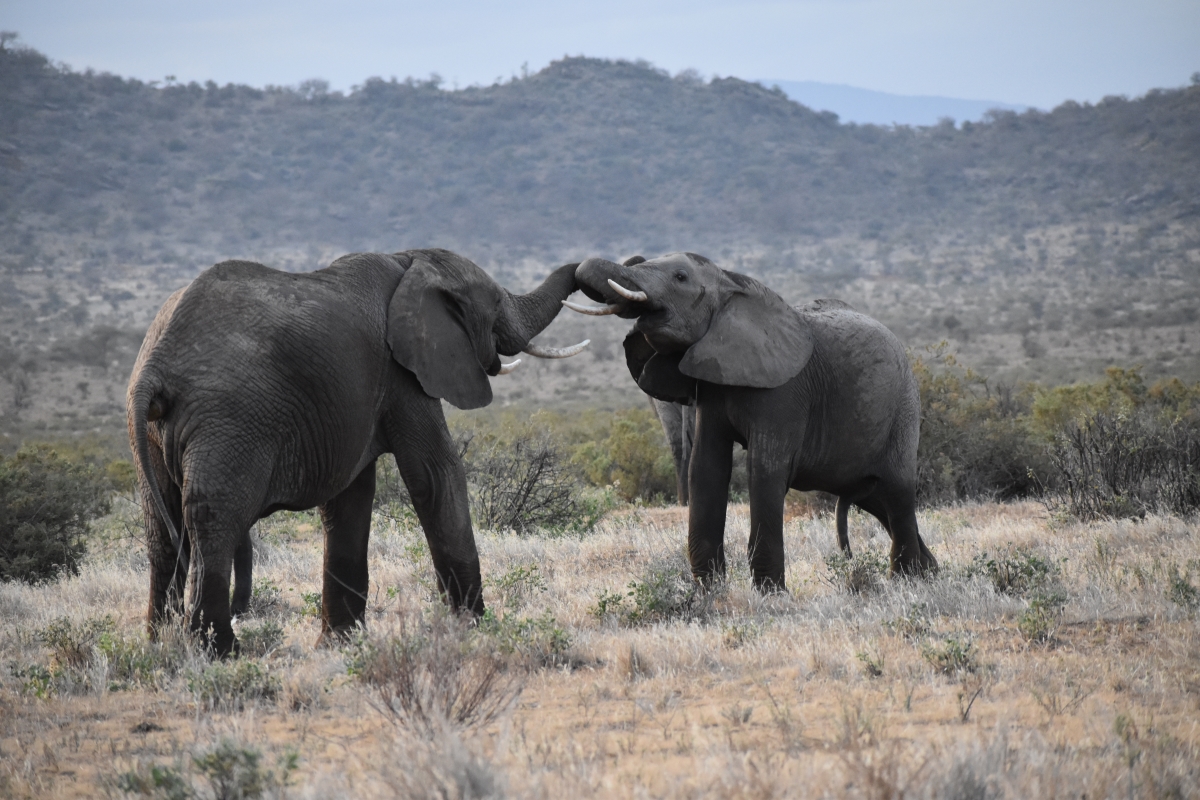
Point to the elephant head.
(696, 321)
(449, 324)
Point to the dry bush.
(429, 671)
(522, 484)
(1128, 465)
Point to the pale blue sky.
(1037, 52)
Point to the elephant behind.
(821, 397)
(257, 390)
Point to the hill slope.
(1044, 244)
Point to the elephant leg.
(216, 527)
(843, 526)
(708, 484)
(896, 509)
(687, 439)
(168, 565)
(433, 472)
(670, 415)
(243, 576)
(347, 521)
(768, 487)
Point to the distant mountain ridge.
(870, 107)
(1046, 245)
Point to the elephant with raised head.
(821, 397)
(257, 390)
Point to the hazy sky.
(1039, 52)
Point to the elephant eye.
(681, 276)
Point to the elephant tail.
(843, 528)
(144, 406)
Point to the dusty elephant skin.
(822, 397)
(258, 390)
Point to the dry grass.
(816, 693)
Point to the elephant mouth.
(622, 298)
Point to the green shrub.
(858, 575)
(46, 505)
(231, 770)
(975, 439)
(1181, 591)
(633, 457)
(259, 640)
(1038, 622)
(1121, 449)
(952, 655)
(231, 685)
(1015, 572)
(539, 639)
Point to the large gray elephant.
(821, 397)
(257, 390)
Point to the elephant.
(822, 398)
(257, 390)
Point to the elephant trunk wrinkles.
(524, 316)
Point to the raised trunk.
(524, 316)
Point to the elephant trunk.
(524, 316)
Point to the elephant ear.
(755, 339)
(633, 261)
(432, 334)
(657, 374)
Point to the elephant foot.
(219, 641)
(339, 636)
(770, 584)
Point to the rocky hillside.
(1044, 245)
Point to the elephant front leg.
(347, 522)
(708, 486)
(433, 473)
(768, 488)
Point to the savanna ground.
(1047, 659)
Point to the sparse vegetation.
(820, 688)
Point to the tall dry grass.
(1082, 677)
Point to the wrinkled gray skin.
(821, 397)
(678, 423)
(257, 390)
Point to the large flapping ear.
(434, 333)
(755, 339)
(656, 374)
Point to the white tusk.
(507, 368)
(637, 297)
(595, 311)
(556, 352)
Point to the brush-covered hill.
(1043, 244)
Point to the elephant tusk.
(556, 352)
(637, 297)
(507, 368)
(595, 311)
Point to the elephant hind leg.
(896, 510)
(347, 520)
